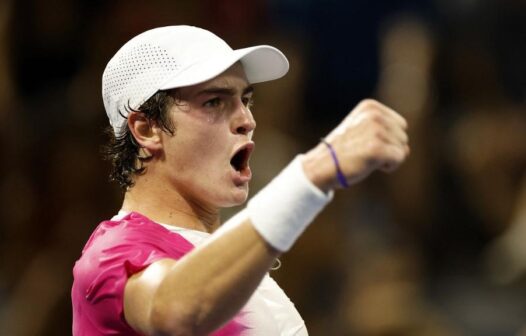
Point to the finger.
(394, 115)
(390, 132)
(371, 104)
(393, 157)
(397, 117)
(395, 133)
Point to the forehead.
(233, 78)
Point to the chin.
(239, 197)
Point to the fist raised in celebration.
(371, 137)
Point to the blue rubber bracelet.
(339, 173)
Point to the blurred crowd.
(435, 248)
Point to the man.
(178, 99)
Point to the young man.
(178, 99)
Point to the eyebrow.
(228, 91)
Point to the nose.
(243, 122)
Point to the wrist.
(320, 169)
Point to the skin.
(213, 120)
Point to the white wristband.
(282, 210)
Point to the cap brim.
(261, 63)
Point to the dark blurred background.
(435, 248)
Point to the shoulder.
(136, 232)
(118, 249)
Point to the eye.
(214, 102)
(248, 102)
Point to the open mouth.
(241, 157)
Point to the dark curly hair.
(123, 151)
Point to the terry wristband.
(282, 210)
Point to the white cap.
(177, 56)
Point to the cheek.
(200, 148)
(210, 143)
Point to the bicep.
(139, 293)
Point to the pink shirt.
(115, 251)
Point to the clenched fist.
(372, 137)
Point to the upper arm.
(139, 294)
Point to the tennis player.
(178, 99)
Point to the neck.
(166, 205)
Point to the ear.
(146, 134)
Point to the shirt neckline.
(123, 213)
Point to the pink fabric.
(115, 251)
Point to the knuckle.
(404, 123)
(374, 116)
(400, 156)
(378, 117)
(378, 134)
(404, 155)
(376, 148)
(405, 139)
(368, 103)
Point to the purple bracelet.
(339, 174)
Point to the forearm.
(213, 282)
